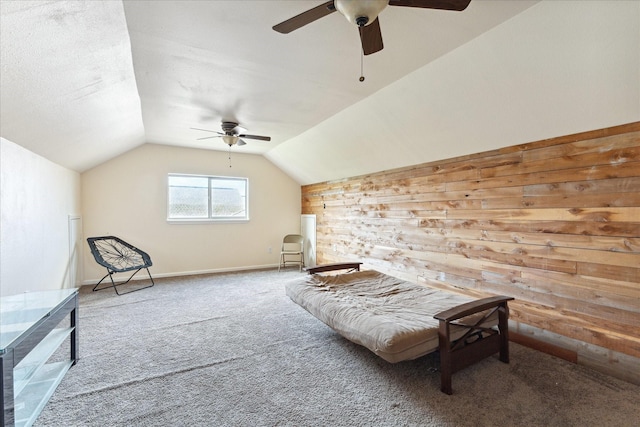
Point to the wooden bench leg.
(446, 369)
(503, 327)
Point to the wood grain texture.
(554, 223)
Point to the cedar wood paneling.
(554, 223)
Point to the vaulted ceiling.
(84, 81)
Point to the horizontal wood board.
(553, 223)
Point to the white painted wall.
(127, 197)
(36, 199)
(558, 68)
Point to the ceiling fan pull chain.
(229, 157)
(361, 65)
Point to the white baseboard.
(142, 275)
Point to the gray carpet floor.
(233, 350)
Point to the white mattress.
(391, 317)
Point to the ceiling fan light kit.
(230, 139)
(360, 13)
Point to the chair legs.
(115, 286)
(283, 260)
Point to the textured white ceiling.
(68, 91)
(83, 81)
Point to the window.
(213, 198)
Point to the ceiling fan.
(232, 134)
(364, 14)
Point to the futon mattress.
(391, 317)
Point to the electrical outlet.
(335, 248)
(269, 249)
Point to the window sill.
(206, 221)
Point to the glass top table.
(21, 312)
(31, 331)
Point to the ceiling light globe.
(230, 139)
(355, 10)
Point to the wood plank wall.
(553, 223)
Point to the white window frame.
(210, 217)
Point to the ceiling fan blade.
(258, 137)
(305, 18)
(207, 130)
(371, 38)
(241, 142)
(208, 137)
(457, 5)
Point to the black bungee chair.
(118, 256)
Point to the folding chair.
(292, 246)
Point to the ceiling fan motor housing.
(360, 13)
(227, 127)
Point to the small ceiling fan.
(232, 134)
(364, 14)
